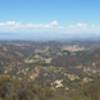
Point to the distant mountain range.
(47, 37)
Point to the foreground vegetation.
(16, 89)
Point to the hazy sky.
(52, 18)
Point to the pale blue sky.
(43, 11)
(50, 17)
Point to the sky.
(49, 19)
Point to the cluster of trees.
(15, 89)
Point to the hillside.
(49, 71)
